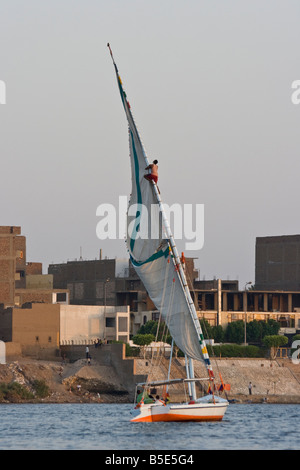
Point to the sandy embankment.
(276, 382)
(68, 383)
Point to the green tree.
(206, 328)
(273, 342)
(157, 329)
(270, 327)
(218, 333)
(143, 341)
(212, 332)
(254, 331)
(235, 332)
(150, 327)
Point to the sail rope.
(212, 353)
(159, 357)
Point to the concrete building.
(218, 301)
(80, 324)
(100, 282)
(12, 263)
(43, 329)
(21, 281)
(114, 282)
(277, 263)
(110, 282)
(223, 304)
(106, 282)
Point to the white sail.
(152, 255)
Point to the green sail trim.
(153, 257)
(139, 194)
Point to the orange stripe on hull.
(169, 417)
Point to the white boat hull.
(202, 410)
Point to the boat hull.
(152, 413)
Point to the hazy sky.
(209, 84)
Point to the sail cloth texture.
(144, 228)
(149, 250)
(163, 285)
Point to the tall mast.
(176, 258)
(182, 277)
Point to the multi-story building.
(101, 282)
(41, 330)
(277, 263)
(22, 282)
(12, 263)
(223, 304)
(37, 317)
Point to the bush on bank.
(41, 388)
(233, 336)
(14, 392)
(235, 350)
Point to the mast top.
(108, 45)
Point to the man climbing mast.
(153, 175)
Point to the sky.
(210, 86)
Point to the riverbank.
(67, 382)
(80, 382)
(272, 381)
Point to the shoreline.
(77, 383)
(254, 400)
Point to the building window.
(110, 322)
(61, 297)
(123, 325)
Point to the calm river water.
(103, 426)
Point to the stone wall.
(112, 355)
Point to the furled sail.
(150, 251)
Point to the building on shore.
(42, 329)
(36, 317)
(221, 305)
(220, 302)
(106, 282)
(22, 281)
(277, 263)
(80, 301)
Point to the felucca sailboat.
(154, 255)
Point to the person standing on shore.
(250, 388)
